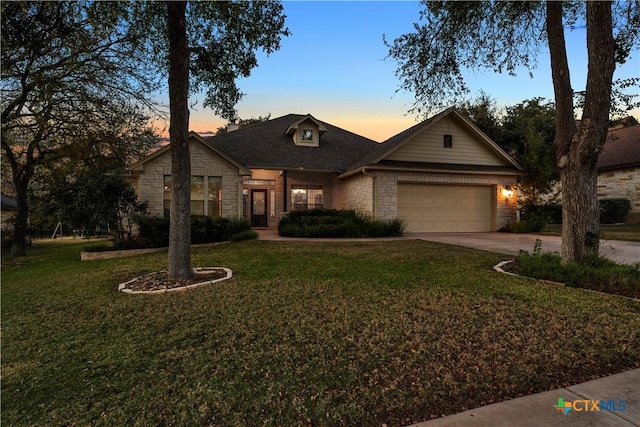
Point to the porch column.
(285, 208)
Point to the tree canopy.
(70, 71)
(452, 38)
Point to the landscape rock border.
(122, 287)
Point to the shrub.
(99, 248)
(336, 223)
(534, 218)
(231, 226)
(614, 210)
(244, 235)
(596, 272)
(555, 213)
(200, 229)
(385, 228)
(153, 232)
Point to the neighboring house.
(443, 174)
(619, 168)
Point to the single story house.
(619, 168)
(441, 175)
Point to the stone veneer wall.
(357, 192)
(204, 162)
(622, 183)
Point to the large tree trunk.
(180, 230)
(577, 152)
(20, 183)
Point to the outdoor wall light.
(507, 191)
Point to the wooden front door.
(258, 208)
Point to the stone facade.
(622, 183)
(355, 193)
(148, 178)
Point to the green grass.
(306, 333)
(629, 232)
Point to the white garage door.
(445, 208)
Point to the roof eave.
(619, 166)
(432, 170)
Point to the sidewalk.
(539, 409)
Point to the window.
(205, 191)
(305, 197)
(215, 196)
(197, 195)
(307, 135)
(262, 182)
(448, 141)
(272, 203)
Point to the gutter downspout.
(375, 191)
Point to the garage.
(430, 208)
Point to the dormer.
(306, 132)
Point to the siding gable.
(468, 147)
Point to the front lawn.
(306, 333)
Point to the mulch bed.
(159, 281)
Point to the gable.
(468, 147)
(306, 132)
(202, 155)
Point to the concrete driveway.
(508, 243)
(504, 243)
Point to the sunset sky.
(333, 66)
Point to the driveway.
(508, 243)
(504, 243)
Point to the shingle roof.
(622, 149)
(265, 145)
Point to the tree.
(98, 201)
(502, 36)
(210, 44)
(70, 70)
(528, 134)
(485, 114)
(241, 123)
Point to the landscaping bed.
(333, 223)
(596, 273)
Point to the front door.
(258, 208)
